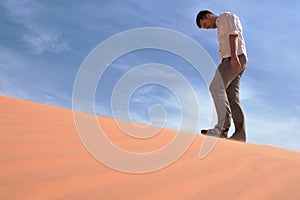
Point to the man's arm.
(235, 62)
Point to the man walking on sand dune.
(225, 85)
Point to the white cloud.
(46, 40)
(151, 94)
(22, 78)
(248, 92)
(268, 124)
(277, 131)
(21, 8)
(40, 35)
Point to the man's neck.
(214, 19)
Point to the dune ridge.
(42, 157)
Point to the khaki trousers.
(224, 89)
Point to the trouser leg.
(224, 76)
(218, 93)
(235, 107)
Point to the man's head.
(206, 19)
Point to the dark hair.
(202, 15)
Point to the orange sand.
(42, 157)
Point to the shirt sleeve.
(230, 23)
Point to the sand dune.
(42, 157)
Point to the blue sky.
(43, 44)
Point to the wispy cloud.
(43, 40)
(21, 77)
(39, 35)
(175, 98)
(281, 131)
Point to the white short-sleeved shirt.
(229, 24)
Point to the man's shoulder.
(227, 14)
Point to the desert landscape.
(42, 157)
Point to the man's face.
(208, 22)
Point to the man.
(225, 85)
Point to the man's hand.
(235, 63)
